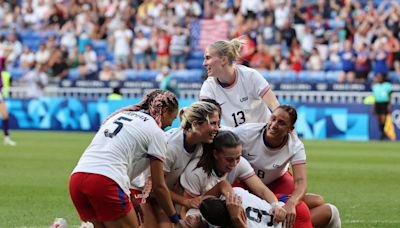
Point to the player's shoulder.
(246, 71)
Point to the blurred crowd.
(102, 38)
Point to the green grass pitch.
(361, 178)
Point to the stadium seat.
(99, 45)
(193, 75)
(17, 73)
(141, 75)
(272, 76)
(147, 75)
(332, 76)
(196, 54)
(194, 64)
(74, 74)
(394, 77)
(311, 76)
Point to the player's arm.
(222, 188)
(185, 200)
(270, 99)
(300, 182)
(300, 188)
(262, 191)
(160, 189)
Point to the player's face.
(208, 130)
(227, 159)
(212, 62)
(279, 124)
(168, 118)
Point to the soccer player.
(4, 81)
(222, 161)
(241, 91)
(199, 125)
(271, 149)
(125, 145)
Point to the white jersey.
(121, 148)
(269, 164)
(257, 210)
(241, 102)
(196, 181)
(177, 158)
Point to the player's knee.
(313, 200)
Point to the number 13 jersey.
(242, 101)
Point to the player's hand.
(279, 214)
(290, 208)
(193, 202)
(235, 209)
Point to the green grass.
(361, 178)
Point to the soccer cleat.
(59, 223)
(9, 142)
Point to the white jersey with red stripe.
(242, 101)
(256, 209)
(196, 181)
(177, 158)
(269, 164)
(121, 148)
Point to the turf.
(361, 178)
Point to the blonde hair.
(199, 111)
(229, 48)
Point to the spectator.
(162, 44)
(43, 54)
(379, 57)
(107, 73)
(67, 33)
(88, 63)
(140, 45)
(16, 49)
(27, 59)
(58, 66)
(121, 41)
(315, 62)
(362, 64)
(35, 81)
(261, 59)
(348, 57)
(179, 48)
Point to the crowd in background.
(355, 37)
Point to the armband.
(175, 218)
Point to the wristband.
(175, 218)
(274, 204)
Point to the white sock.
(335, 221)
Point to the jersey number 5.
(238, 118)
(118, 122)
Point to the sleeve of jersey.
(260, 84)
(244, 169)
(157, 147)
(206, 90)
(169, 158)
(191, 181)
(300, 153)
